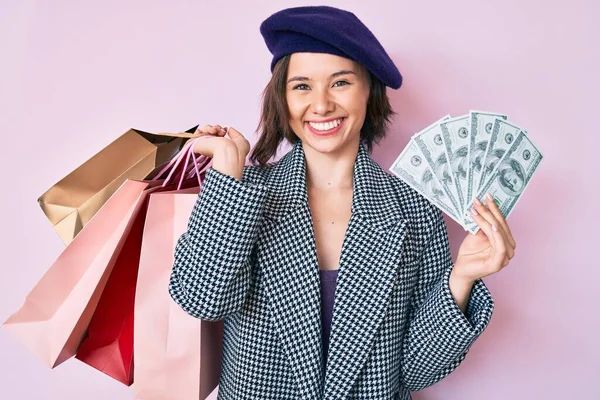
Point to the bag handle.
(185, 135)
(184, 154)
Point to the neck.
(330, 170)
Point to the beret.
(325, 29)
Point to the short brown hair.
(274, 125)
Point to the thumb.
(239, 139)
(233, 133)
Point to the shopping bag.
(109, 344)
(176, 355)
(72, 202)
(55, 315)
(214, 394)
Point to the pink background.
(74, 76)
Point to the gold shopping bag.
(72, 202)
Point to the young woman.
(269, 244)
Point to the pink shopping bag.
(176, 355)
(55, 315)
(109, 344)
(54, 318)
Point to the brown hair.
(274, 125)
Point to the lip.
(325, 120)
(329, 132)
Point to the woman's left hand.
(490, 249)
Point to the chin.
(322, 147)
(327, 146)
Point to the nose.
(321, 102)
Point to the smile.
(326, 128)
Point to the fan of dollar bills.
(454, 160)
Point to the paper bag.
(109, 344)
(55, 315)
(72, 202)
(176, 355)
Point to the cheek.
(295, 110)
(359, 110)
(357, 105)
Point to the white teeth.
(325, 126)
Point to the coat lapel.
(368, 265)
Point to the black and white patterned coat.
(249, 257)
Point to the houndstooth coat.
(249, 257)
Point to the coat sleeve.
(212, 270)
(439, 334)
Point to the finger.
(209, 129)
(488, 213)
(493, 207)
(206, 145)
(499, 260)
(484, 226)
(220, 130)
(488, 216)
(236, 136)
(234, 133)
(494, 223)
(484, 211)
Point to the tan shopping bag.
(72, 202)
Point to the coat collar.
(372, 194)
(369, 262)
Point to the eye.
(300, 86)
(344, 83)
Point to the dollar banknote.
(455, 134)
(481, 124)
(412, 168)
(512, 175)
(431, 145)
(503, 135)
(454, 160)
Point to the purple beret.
(324, 29)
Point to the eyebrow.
(334, 75)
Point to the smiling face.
(327, 100)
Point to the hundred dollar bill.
(412, 168)
(503, 135)
(481, 123)
(455, 134)
(433, 149)
(511, 176)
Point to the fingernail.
(489, 196)
(477, 201)
(474, 212)
(494, 228)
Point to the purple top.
(328, 279)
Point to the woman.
(263, 240)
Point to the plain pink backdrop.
(74, 75)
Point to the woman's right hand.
(227, 148)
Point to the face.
(327, 99)
(512, 180)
